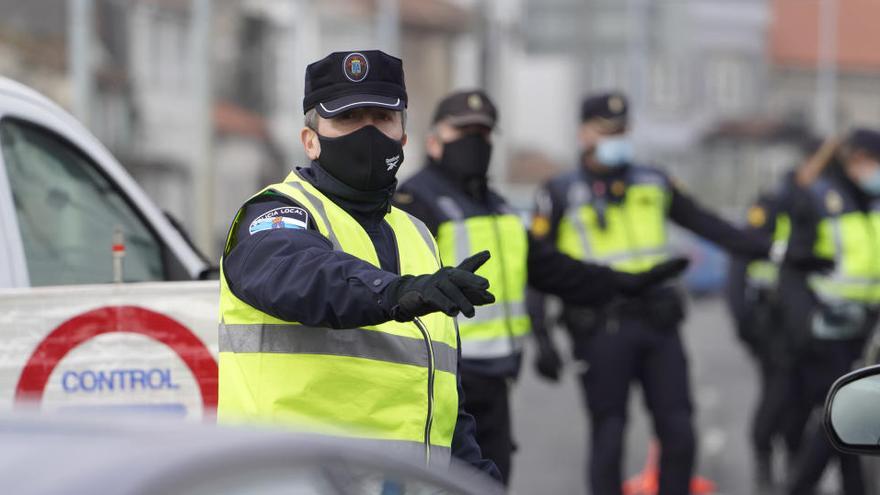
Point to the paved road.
(551, 425)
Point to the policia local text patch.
(280, 218)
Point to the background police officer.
(452, 195)
(340, 321)
(755, 304)
(836, 217)
(612, 211)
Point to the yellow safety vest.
(851, 238)
(633, 238)
(497, 330)
(392, 384)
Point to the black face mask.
(467, 156)
(366, 159)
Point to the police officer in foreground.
(336, 315)
(835, 217)
(754, 301)
(452, 196)
(615, 212)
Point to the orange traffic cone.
(648, 481)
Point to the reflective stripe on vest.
(393, 383)
(852, 240)
(633, 237)
(352, 342)
(496, 329)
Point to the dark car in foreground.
(142, 456)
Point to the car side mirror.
(212, 271)
(852, 412)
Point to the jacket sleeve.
(294, 274)
(735, 291)
(793, 285)
(464, 442)
(684, 211)
(574, 282)
(548, 211)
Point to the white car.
(62, 195)
(70, 338)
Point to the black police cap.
(343, 81)
(611, 107)
(467, 108)
(865, 140)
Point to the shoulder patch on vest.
(291, 217)
(647, 176)
(540, 226)
(757, 216)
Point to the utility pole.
(638, 43)
(205, 172)
(826, 68)
(79, 56)
(388, 26)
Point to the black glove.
(633, 284)
(449, 290)
(547, 363)
(807, 262)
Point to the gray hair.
(310, 119)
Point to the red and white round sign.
(121, 357)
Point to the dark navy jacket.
(548, 270)
(294, 274)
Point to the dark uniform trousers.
(828, 360)
(487, 400)
(623, 349)
(782, 410)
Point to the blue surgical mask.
(871, 183)
(614, 151)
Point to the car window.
(68, 211)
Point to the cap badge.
(355, 66)
(475, 102)
(615, 104)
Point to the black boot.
(764, 483)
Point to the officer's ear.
(588, 135)
(310, 142)
(433, 146)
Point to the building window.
(727, 83)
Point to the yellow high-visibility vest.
(392, 384)
(633, 237)
(851, 238)
(497, 330)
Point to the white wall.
(544, 107)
